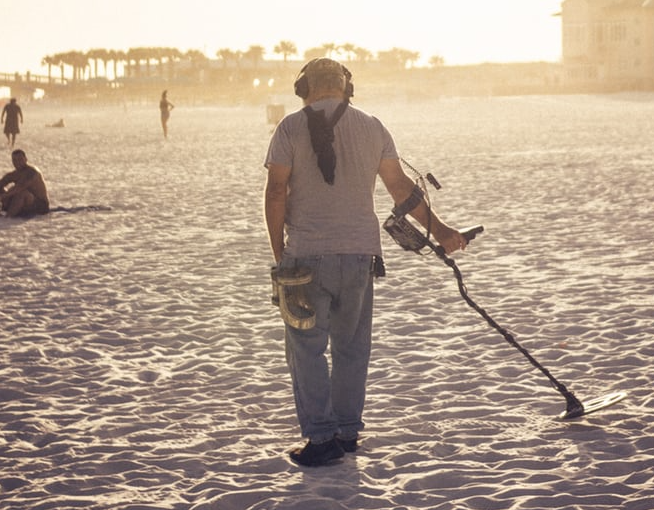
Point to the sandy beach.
(142, 364)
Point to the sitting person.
(28, 195)
(58, 124)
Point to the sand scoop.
(411, 239)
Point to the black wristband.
(410, 203)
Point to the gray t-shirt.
(323, 219)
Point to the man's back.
(339, 218)
(36, 183)
(30, 177)
(11, 111)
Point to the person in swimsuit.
(27, 194)
(10, 115)
(165, 107)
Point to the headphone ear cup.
(349, 89)
(349, 86)
(302, 86)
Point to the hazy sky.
(461, 31)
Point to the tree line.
(134, 58)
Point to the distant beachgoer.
(165, 106)
(28, 195)
(59, 124)
(10, 115)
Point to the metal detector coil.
(593, 405)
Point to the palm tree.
(197, 58)
(225, 54)
(312, 53)
(50, 61)
(116, 56)
(238, 55)
(173, 55)
(329, 49)
(77, 60)
(410, 57)
(362, 54)
(158, 55)
(398, 57)
(132, 56)
(286, 48)
(80, 64)
(95, 55)
(139, 55)
(255, 54)
(58, 60)
(436, 61)
(349, 50)
(149, 54)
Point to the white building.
(608, 44)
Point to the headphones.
(301, 84)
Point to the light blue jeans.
(341, 293)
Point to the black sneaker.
(313, 455)
(348, 445)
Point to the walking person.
(10, 115)
(323, 162)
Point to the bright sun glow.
(461, 32)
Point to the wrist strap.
(410, 203)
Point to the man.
(322, 166)
(10, 115)
(28, 195)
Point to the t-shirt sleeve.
(280, 149)
(389, 151)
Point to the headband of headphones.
(301, 84)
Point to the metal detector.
(411, 239)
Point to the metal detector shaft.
(574, 408)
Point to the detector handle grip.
(471, 232)
(468, 233)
